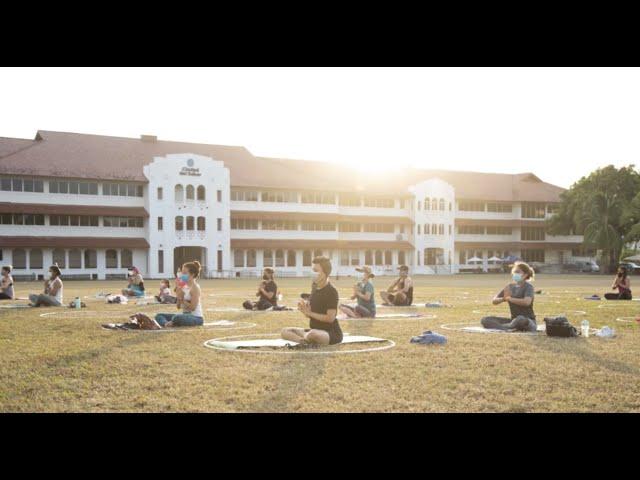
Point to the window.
(35, 258)
(65, 186)
(469, 206)
(499, 207)
(58, 257)
(441, 229)
(318, 226)
(419, 203)
(241, 224)
(344, 258)
(434, 204)
(19, 259)
(532, 233)
(388, 257)
(201, 193)
(190, 223)
(220, 225)
(160, 223)
(191, 195)
(318, 197)
(238, 258)
(553, 208)
(427, 204)
(179, 223)
(251, 258)
(449, 229)
(279, 225)
(75, 258)
(160, 261)
(19, 184)
(379, 202)
(532, 255)
(241, 195)
(368, 257)
(450, 206)
(499, 231)
(280, 197)
(401, 258)
(201, 224)
(346, 200)
(471, 230)
(72, 220)
(5, 184)
(378, 257)
(355, 258)
(533, 210)
(418, 229)
(268, 258)
(111, 259)
(219, 196)
(418, 257)
(279, 258)
(583, 252)
(159, 193)
(179, 194)
(124, 222)
(378, 227)
(306, 258)
(126, 258)
(348, 227)
(90, 259)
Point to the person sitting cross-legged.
(364, 293)
(400, 293)
(267, 293)
(519, 295)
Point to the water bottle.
(77, 303)
(585, 328)
(279, 297)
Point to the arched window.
(126, 258)
(368, 257)
(378, 257)
(201, 224)
(35, 258)
(418, 257)
(179, 224)
(19, 259)
(388, 258)
(418, 229)
(58, 257)
(251, 258)
(401, 258)
(426, 229)
(291, 258)
(111, 259)
(90, 259)
(75, 258)
(441, 229)
(191, 192)
(426, 203)
(179, 193)
(442, 204)
(434, 204)
(279, 258)
(268, 258)
(238, 258)
(190, 223)
(201, 193)
(306, 258)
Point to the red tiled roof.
(57, 209)
(72, 242)
(75, 155)
(335, 244)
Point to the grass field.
(65, 362)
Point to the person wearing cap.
(136, 284)
(52, 296)
(6, 284)
(267, 293)
(400, 293)
(364, 294)
(321, 310)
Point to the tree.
(603, 208)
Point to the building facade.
(97, 205)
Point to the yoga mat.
(217, 325)
(389, 315)
(280, 342)
(14, 305)
(475, 328)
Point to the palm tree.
(599, 231)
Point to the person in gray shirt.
(519, 295)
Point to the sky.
(559, 123)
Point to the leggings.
(520, 323)
(43, 300)
(618, 296)
(4, 296)
(179, 319)
(361, 311)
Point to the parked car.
(582, 266)
(632, 268)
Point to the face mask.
(265, 277)
(517, 277)
(316, 277)
(184, 277)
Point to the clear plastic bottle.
(584, 326)
(77, 303)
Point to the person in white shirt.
(52, 296)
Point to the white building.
(97, 205)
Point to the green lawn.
(67, 363)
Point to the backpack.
(144, 322)
(560, 327)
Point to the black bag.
(560, 327)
